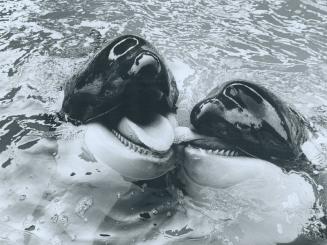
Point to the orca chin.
(127, 97)
(221, 168)
(131, 160)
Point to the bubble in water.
(4, 236)
(227, 242)
(22, 197)
(55, 218)
(73, 237)
(56, 241)
(5, 218)
(64, 220)
(83, 205)
(28, 223)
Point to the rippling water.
(279, 44)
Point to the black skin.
(221, 115)
(237, 113)
(126, 78)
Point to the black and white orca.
(127, 96)
(250, 143)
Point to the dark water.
(279, 44)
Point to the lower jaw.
(218, 171)
(108, 149)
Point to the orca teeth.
(229, 153)
(137, 148)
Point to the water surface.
(278, 44)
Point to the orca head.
(127, 97)
(242, 127)
(252, 119)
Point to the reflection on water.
(279, 44)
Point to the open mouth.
(218, 152)
(140, 149)
(136, 151)
(153, 139)
(210, 145)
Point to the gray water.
(281, 45)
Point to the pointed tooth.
(210, 151)
(216, 151)
(227, 152)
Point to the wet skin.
(126, 84)
(128, 78)
(252, 119)
(240, 121)
(122, 95)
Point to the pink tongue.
(158, 135)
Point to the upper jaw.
(205, 144)
(141, 149)
(147, 140)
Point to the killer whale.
(126, 96)
(85, 101)
(245, 133)
(253, 119)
